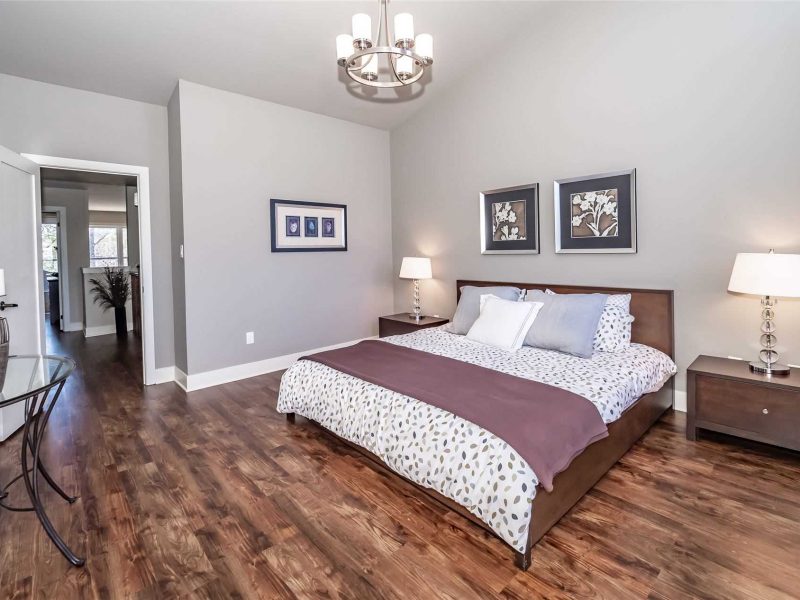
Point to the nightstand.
(725, 396)
(401, 323)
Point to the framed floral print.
(299, 226)
(510, 220)
(596, 213)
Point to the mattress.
(459, 459)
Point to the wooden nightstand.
(401, 323)
(725, 396)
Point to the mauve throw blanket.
(545, 425)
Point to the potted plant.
(113, 291)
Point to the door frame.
(142, 175)
(65, 322)
(27, 165)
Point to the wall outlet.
(180, 249)
(250, 337)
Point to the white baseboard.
(680, 401)
(103, 330)
(77, 326)
(164, 375)
(181, 379)
(199, 381)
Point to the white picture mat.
(296, 210)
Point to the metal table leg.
(37, 415)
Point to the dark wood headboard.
(654, 324)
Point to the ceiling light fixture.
(360, 54)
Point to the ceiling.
(283, 52)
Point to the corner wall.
(697, 97)
(238, 152)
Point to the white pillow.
(503, 323)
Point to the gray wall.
(292, 301)
(76, 201)
(40, 118)
(176, 224)
(699, 98)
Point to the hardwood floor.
(215, 495)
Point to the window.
(108, 246)
(50, 247)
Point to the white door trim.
(28, 166)
(63, 265)
(145, 246)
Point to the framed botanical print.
(298, 226)
(510, 220)
(596, 213)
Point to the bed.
(383, 425)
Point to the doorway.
(100, 214)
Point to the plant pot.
(121, 319)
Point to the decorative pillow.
(614, 329)
(469, 305)
(566, 323)
(503, 323)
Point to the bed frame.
(654, 326)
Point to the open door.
(20, 251)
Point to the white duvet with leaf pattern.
(457, 458)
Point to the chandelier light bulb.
(405, 67)
(344, 47)
(362, 29)
(404, 30)
(370, 70)
(424, 46)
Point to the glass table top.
(27, 375)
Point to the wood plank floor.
(214, 495)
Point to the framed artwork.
(299, 226)
(510, 220)
(596, 213)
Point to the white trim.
(165, 374)
(181, 379)
(63, 265)
(199, 381)
(679, 403)
(145, 244)
(25, 164)
(74, 326)
(103, 330)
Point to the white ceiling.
(278, 51)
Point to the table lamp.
(415, 268)
(768, 275)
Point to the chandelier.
(359, 54)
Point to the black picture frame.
(305, 209)
(328, 227)
(526, 197)
(290, 219)
(612, 232)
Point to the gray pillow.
(469, 306)
(566, 323)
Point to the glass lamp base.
(758, 366)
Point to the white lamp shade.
(403, 27)
(765, 274)
(344, 45)
(371, 66)
(415, 267)
(405, 66)
(2, 283)
(423, 45)
(362, 27)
